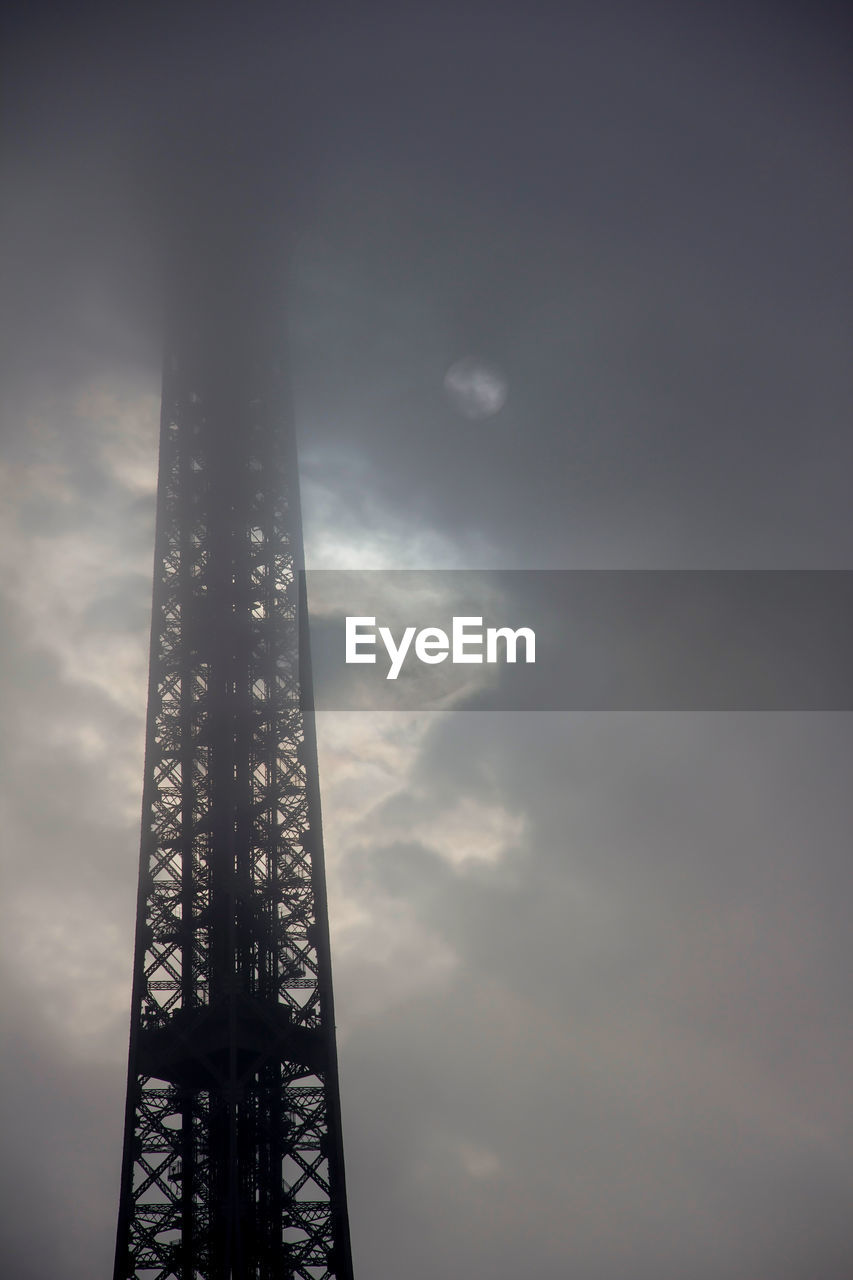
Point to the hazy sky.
(592, 971)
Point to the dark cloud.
(639, 991)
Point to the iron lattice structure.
(233, 1159)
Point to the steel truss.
(233, 1159)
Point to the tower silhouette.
(233, 1159)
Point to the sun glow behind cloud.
(348, 527)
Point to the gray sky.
(592, 971)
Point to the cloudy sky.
(592, 970)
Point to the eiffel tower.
(233, 1159)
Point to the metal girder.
(233, 1158)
